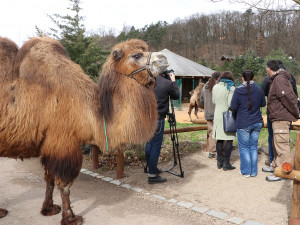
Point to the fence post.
(120, 164)
(95, 158)
(295, 212)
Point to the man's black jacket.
(163, 89)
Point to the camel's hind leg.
(68, 217)
(48, 208)
(190, 111)
(196, 111)
(3, 212)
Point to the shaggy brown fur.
(195, 100)
(49, 107)
(8, 51)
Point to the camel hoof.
(3, 212)
(76, 220)
(50, 210)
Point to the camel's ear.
(118, 55)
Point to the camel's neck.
(134, 114)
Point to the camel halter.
(131, 75)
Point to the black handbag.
(229, 122)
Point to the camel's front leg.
(68, 217)
(3, 212)
(48, 208)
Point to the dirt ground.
(251, 199)
(204, 185)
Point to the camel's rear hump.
(8, 52)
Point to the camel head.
(132, 59)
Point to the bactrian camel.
(195, 100)
(49, 107)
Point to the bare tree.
(269, 5)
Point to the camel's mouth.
(159, 64)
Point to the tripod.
(174, 139)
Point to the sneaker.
(245, 175)
(211, 155)
(156, 179)
(268, 163)
(272, 178)
(268, 169)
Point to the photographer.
(165, 88)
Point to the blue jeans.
(153, 147)
(247, 141)
(270, 139)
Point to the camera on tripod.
(167, 74)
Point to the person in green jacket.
(221, 96)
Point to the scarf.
(228, 83)
(245, 83)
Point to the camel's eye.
(138, 55)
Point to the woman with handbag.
(246, 102)
(221, 97)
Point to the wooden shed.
(188, 74)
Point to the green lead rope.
(105, 134)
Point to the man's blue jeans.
(270, 139)
(153, 147)
(247, 141)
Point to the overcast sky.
(18, 18)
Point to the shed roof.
(185, 67)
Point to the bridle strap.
(131, 75)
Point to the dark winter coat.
(164, 89)
(266, 85)
(282, 101)
(239, 103)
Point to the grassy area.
(197, 136)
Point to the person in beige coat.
(221, 96)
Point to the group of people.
(246, 101)
(219, 95)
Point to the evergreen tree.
(290, 64)
(213, 65)
(225, 66)
(70, 31)
(203, 61)
(132, 33)
(154, 33)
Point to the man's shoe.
(268, 169)
(156, 179)
(272, 178)
(159, 171)
(211, 155)
(268, 163)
